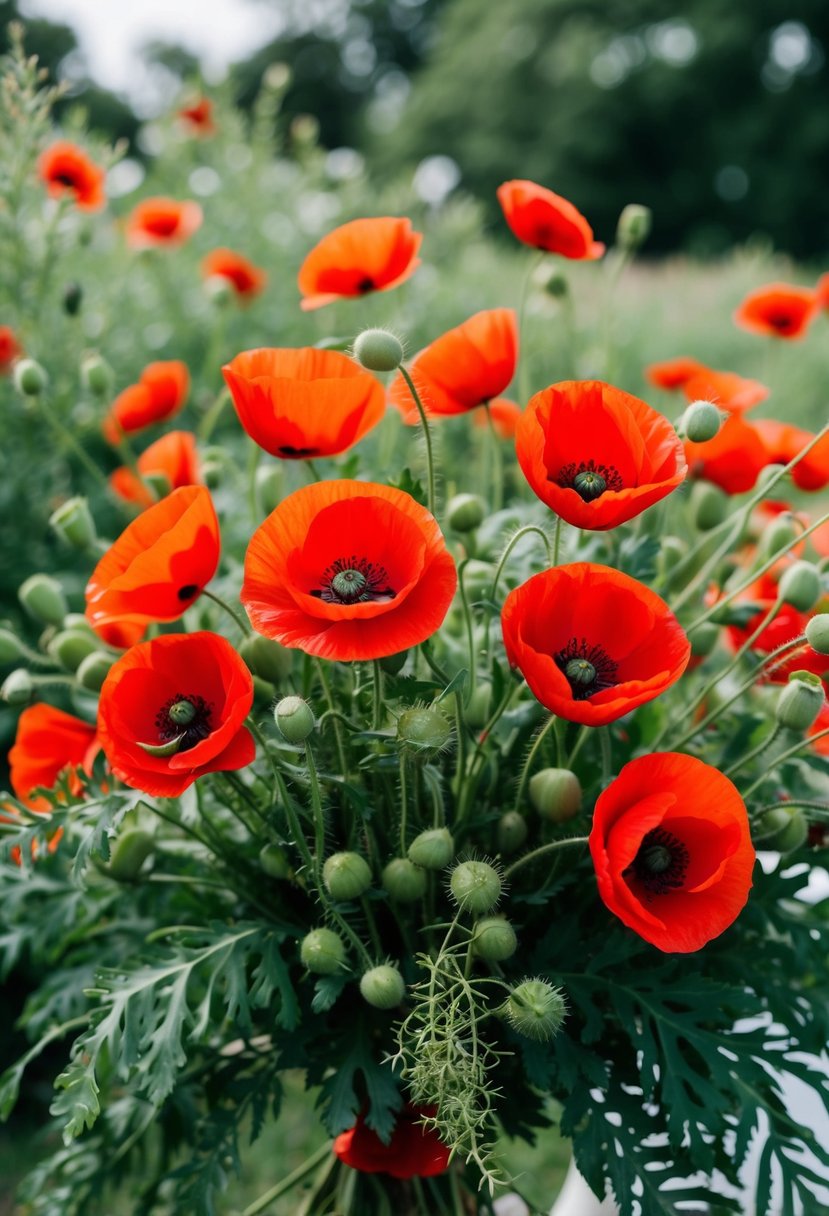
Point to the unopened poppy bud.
(465, 512)
(383, 987)
(404, 881)
(800, 701)
(266, 658)
(782, 829)
(43, 599)
(494, 939)
(275, 862)
(11, 648)
(475, 887)
(511, 832)
(393, 664)
(634, 226)
(556, 285)
(378, 350)
(322, 951)
(556, 794)
(817, 633)
(709, 505)
(432, 849)
(346, 876)
(129, 854)
(93, 670)
(212, 472)
(72, 299)
(768, 475)
(30, 378)
(73, 523)
(17, 687)
(295, 719)
(96, 376)
(535, 1009)
(269, 488)
(477, 579)
(800, 586)
(701, 421)
(780, 534)
(423, 730)
(71, 646)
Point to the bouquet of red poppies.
(429, 758)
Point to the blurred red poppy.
(545, 220)
(414, 1151)
(172, 458)
(732, 460)
(47, 742)
(303, 403)
(66, 170)
(821, 723)
(160, 393)
(822, 292)
(198, 116)
(725, 389)
(503, 415)
(672, 850)
(595, 455)
(359, 257)
(592, 643)
(786, 625)
(672, 373)
(779, 309)
(162, 221)
(173, 709)
(783, 442)
(246, 279)
(10, 348)
(348, 570)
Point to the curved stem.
(809, 741)
(765, 742)
(543, 851)
(71, 442)
(510, 545)
(208, 422)
(424, 424)
(288, 1183)
(531, 754)
(237, 617)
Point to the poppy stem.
(800, 803)
(424, 424)
(289, 1182)
(557, 542)
(745, 759)
(809, 741)
(531, 754)
(497, 461)
(470, 626)
(578, 745)
(534, 262)
(542, 852)
(71, 442)
(254, 456)
(213, 414)
(238, 618)
(336, 718)
(377, 695)
(404, 803)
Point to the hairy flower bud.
(556, 794)
(800, 586)
(800, 702)
(701, 421)
(709, 505)
(782, 829)
(266, 658)
(71, 646)
(423, 730)
(383, 986)
(475, 887)
(93, 670)
(781, 533)
(817, 633)
(30, 378)
(43, 599)
(378, 350)
(275, 861)
(634, 226)
(511, 832)
(96, 376)
(73, 523)
(432, 849)
(346, 875)
(494, 939)
(465, 512)
(17, 687)
(322, 951)
(404, 881)
(295, 719)
(11, 648)
(479, 705)
(536, 1009)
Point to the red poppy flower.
(732, 460)
(464, 368)
(592, 643)
(172, 457)
(783, 442)
(159, 564)
(348, 570)
(65, 169)
(160, 393)
(595, 455)
(47, 742)
(10, 348)
(305, 402)
(672, 850)
(779, 309)
(547, 221)
(726, 389)
(414, 1151)
(786, 625)
(198, 116)
(819, 540)
(359, 257)
(162, 221)
(672, 373)
(185, 697)
(246, 279)
(822, 292)
(503, 414)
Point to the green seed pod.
(704, 638)
(535, 1009)
(477, 579)
(212, 472)
(701, 421)
(96, 376)
(494, 939)
(131, 850)
(295, 719)
(465, 512)
(800, 586)
(346, 875)
(555, 793)
(512, 832)
(269, 487)
(70, 647)
(780, 534)
(383, 987)
(475, 887)
(274, 861)
(817, 633)
(479, 706)
(378, 350)
(10, 647)
(556, 285)
(633, 227)
(17, 688)
(43, 599)
(30, 378)
(322, 951)
(423, 730)
(782, 829)
(800, 701)
(432, 849)
(266, 659)
(72, 299)
(79, 623)
(74, 524)
(709, 505)
(404, 881)
(393, 664)
(93, 670)
(767, 475)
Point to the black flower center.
(365, 285)
(588, 669)
(186, 718)
(354, 580)
(66, 179)
(661, 863)
(589, 479)
(296, 453)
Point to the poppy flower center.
(161, 225)
(186, 718)
(365, 285)
(588, 669)
(588, 479)
(661, 862)
(354, 580)
(65, 179)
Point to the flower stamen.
(660, 864)
(589, 479)
(588, 669)
(354, 580)
(185, 718)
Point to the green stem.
(557, 542)
(424, 424)
(497, 462)
(764, 743)
(214, 413)
(543, 851)
(71, 442)
(404, 803)
(531, 754)
(511, 543)
(377, 695)
(809, 741)
(317, 811)
(470, 627)
(607, 754)
(578, 745)
(254, 457)
(237, 616)
(336, 717)
(801, 804)
(287, 1184)
(534, 261)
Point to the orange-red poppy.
(672, 850)
(160, 393)
(348, 570)
(159, 565)
(819, 540)
(198, 116)
(783, 442)
(786, 625)
(592, 643)
(503, 416)
(10, 348)
(463, 368)
(184, 697)
(732, 460)
(246, 279)
(47, 742)
(162, 221)
(779, 309)
(359, 257)
(822, 292)
(595, 455)
(414, 1151)
(672, 373)
(545, 220)
(303, 403)
(172, 457)
(726, 389)
(67, 171)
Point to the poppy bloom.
(414, 1151)
(673, 373)
(783, 442)
(592, 643)
(198, 116)
(66, 170)
(246, 279)
(786, 625)
(305, 402)
(781, 310)
(160, 393)
(595, 455)
(725, 389)
(173, 457)
(162, 221)
(672, 850)
(822, 292)
(732, 460)
(48, 741)
(159, 564)
(503, 416)
(10, 348)
(547, 221)
(173, 709)
(359, 257)
(348, 570)
(464, 368)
